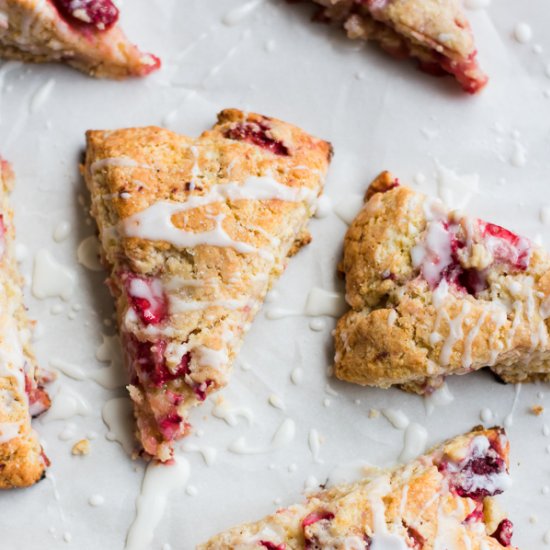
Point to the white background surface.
(391, 117)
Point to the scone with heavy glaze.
(434, 32)
(433, 292)
(194, 232)
(22, 461)
(82, 33)
(443, 499)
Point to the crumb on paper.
(537, 410)
(81, 448)
(374, 413)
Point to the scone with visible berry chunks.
(194, 232)
(443, 499)
(436, 33)
(434, 292)
(82, 33)
(22, 461)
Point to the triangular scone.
(195, 231)
(440, 500)
(434, 292)
(434, 32)
(82, 33)
(22, 461)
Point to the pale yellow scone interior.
(434, 32)
(38, 31)
(194, 232)
(441, 500)
(434, 292)
(22, 461)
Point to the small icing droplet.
(297, 375)
(523, 33)
(62, 231)
(486, 415)
(317, 325)
(397, 418)
(88, 253)
(96, 501)
(276, 401)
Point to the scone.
(434, 292)
(22, 461)
(82, 33)
(436, 33)
(194, 231)
(441, 500)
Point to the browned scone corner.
(435, 33)
(83, 34)
(194, 232)
(433, 292)
(443, 499)
(22, 460)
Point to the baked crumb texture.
(436, 33)
(194, 231)
(22, 461)
(443, 499)
(82, 33)
(433, 292)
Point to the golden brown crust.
(233, 205)
(432, 500)
(35, 32)
(22, 461)
(435, 33)
(486, 307)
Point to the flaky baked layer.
(443, 499)
(433, 292)
(435, 33)
(22, 461)
(35, 31)
(194, 232)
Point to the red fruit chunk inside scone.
(414, 506)
(258, 133)
(147, 298)
(482, 473)
(446, 249)
(101, 14)
(504, 532)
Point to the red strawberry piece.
(101, 14)
(506, 247)
(478, 475)
(504, 532)
(147, 298)
(171, 426)
(257, 133)
(314, 517)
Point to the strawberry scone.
(22, 461)
(436, 33)
(434, 292)
(441, 500)
(194, 231)
(82, 33)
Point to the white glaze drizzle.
(414, 442)
(50, 278)
(155, 222)
(159, 481)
